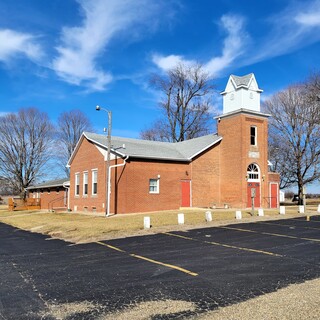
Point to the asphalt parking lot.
(210, 267)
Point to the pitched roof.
(242, 81)
(247, 81)
(51, 184)
(179, 151)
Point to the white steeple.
(241, 93)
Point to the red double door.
(253, 190)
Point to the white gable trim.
(204, 149)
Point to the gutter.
(65, 185)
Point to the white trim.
(77, 174)
(245, 111)
(85, 173)
(92, 181)
(259, 173)
(157, 186)
(255, 136)
(205, 148)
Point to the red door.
(274, 195)
(253, 189)
(185, 193)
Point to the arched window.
(253, 172)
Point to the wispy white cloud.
(309, 16)
(233, 46)
(309, 19)
(13, 43)
(297, 26)
(169, 62)
(81, 47)
(294, 28)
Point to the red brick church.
(217, 170)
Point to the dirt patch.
(295, 302)
(147, 310)
(36, 228)
(66, 310)
(298, 301)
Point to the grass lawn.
(79, 228)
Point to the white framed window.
(94, 182)
(85, 183)
(77, 184)
(154, 185)
(253, 172)
(253, 135)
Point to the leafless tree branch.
(185, 105)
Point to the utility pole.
(108, 171)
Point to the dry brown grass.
(79, 228)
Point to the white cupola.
(241, 93)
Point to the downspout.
(109, 181)
(68, 197)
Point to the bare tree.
(185, 104)
(25, 143)
(71, 125)
(313, 88)
(6, 187)
(295, 135)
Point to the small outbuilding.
(52, 195)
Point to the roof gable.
(235, 83)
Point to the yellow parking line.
(149, 260)
(111, 247)
(165, 264)
(272, 234)
(238, 229)
(224, 245)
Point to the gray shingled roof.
(50, 184)
(180, 151)
(242, 81)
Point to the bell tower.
(241, 93)
(244, 146)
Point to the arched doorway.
(253, 185)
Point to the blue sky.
(59, 55)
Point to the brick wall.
(237, 154)
(88, 158)
(274, 177)
(129, 184)
(51, 198)
(206, 178)
(130, 188)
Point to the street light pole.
(108, 178)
